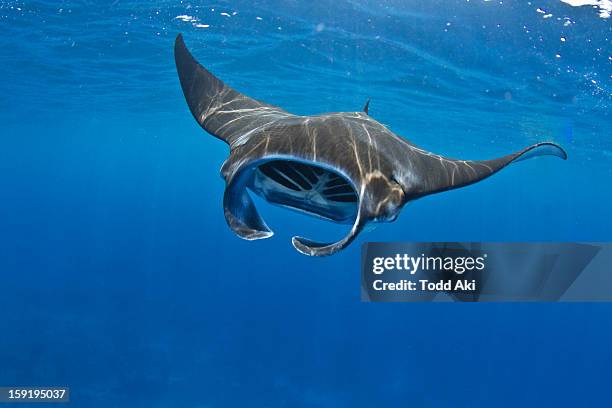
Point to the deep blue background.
(120, 279)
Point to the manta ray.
(345, 167)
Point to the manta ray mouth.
(307, 187)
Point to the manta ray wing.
(220, 110)
(442, 174)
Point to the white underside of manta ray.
(345, 167)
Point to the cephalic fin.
(241, 214)
(314, 248)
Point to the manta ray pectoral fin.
(241, 214)
(445, 174)
(540, 149)
(221, 110)
(536, 150)
(314, 248)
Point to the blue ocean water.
(118, 274)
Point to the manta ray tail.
(460, 173)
